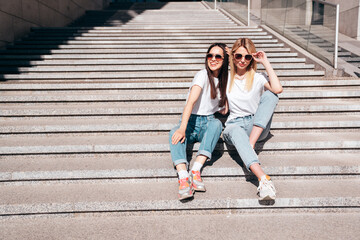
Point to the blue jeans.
(237, 131)
(203, 129)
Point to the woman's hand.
(225, 109)
(179, 135)
(228, 51)
(260, 57)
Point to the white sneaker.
(266, 189)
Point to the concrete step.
(113, 29)
(219, 224)
(137, 45)
(283, 53)
(159, 22)
(139, 68)
(91, 62)
(158, 95)
(159, 123)
(97, 43)
(143, 195)
(123, 51)
(121, 34)
(158, 142)
(38, 38)
(164, 84)
(138, 75)
(161, 107)
(344, 54)
(289, 164)
(140, 36)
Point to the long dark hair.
(223, 75)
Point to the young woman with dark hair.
(206, 96)
(251, 99)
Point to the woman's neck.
(216, 73)
(241, 72)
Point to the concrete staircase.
(85, 114)
(320, 38)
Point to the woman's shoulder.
(201, 73)
(260, 76)
(200, 78)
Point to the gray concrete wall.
(18, 16)
(349, 24)
(349, 17)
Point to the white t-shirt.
(242, 102)
(205, 105)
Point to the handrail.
(336, 36)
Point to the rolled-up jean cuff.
(180, 161)
(204, 152)
(253, 162)
(259, 125)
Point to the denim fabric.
(203, 129)
(238, 130)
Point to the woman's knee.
(270, 97)
(173, 130)
(216, 124)
(232, 131)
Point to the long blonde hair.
(251, 68)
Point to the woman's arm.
(274, 84)
(225, 110)
(179, 135)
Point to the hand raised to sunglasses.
(260, 57)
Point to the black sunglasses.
(210, 56)
(239, 56)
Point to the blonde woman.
(252, 98)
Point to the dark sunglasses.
(239, 56)
(210, 56)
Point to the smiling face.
(214, 62)
(241, 64)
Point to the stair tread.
(135, 74)
(167, 83)
(110, 195)
(158, 123)
(131, 142)
(140, 67)
(87, 166)
(218, 224)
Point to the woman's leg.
(178, 156)
(236, 135)
(260, 130)
(263, 117)
(209, 135)
(178, 151)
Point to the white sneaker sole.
(187, 196)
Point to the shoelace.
(267, 184)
